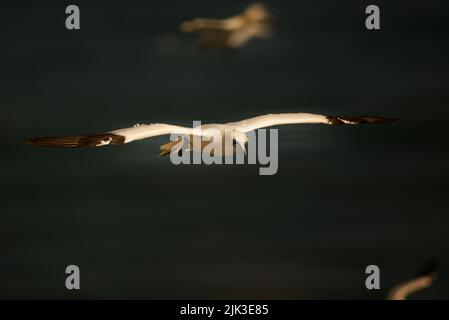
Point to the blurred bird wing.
(299, 118)
(120, 136)
(401, 291)
(424, 279)
(200, 24)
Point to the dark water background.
(140, 227)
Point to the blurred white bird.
(233, 32)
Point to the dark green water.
(140, 227)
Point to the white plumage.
(210, 132)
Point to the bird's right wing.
(120, 136)
(270, 120)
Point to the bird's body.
(219, 135)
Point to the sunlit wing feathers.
(298, 118)
(277, 119)
(144, 131)
(423, 280)
(119, 136)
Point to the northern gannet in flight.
(233, 32)
(233, 131)
(423, 280)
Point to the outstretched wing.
(120, 136)
(298, 118)
(202, 24)
(423, 280)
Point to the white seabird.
(209, 133)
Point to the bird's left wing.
(201, 24)
(120, 136)
(270, 120)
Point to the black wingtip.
(380, 120)
(95, 140)
(335, 120)
(430, 268)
